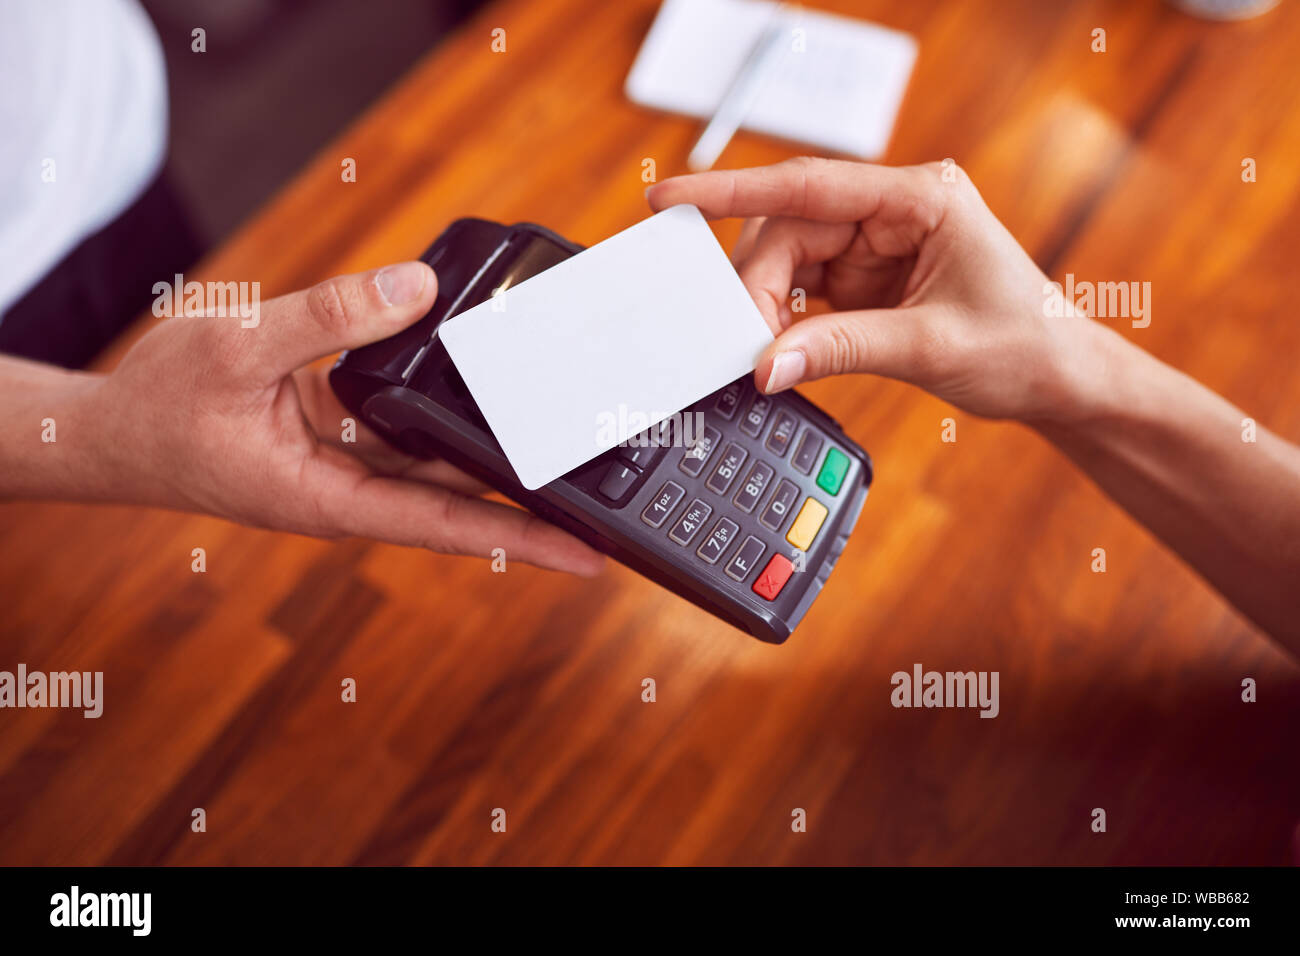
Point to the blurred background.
(280, 79)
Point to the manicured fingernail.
(787, 369)
(403, 283)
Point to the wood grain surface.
(522, 690)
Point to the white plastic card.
(579, 358)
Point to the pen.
(739, 98)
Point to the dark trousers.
(104, 283)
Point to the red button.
(773, 578)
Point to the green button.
(834, 468)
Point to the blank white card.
(577, 359)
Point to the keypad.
(731, 504)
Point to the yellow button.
(806, 526)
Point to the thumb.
(880, 341)
(344, 312)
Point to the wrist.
(1093, 367)
(48, 446)
(121, 437)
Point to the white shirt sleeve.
(83, 107)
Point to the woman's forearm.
(1220, 490)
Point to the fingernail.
(787, 369)
(402, 283)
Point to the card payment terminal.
(742, 504)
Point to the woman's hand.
(926, 285)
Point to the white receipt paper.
(831, 81)
(578, 358)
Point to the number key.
(662, 505)
(728, 468)
(693, 461)
(755, 484)
(688, 525)
(752, 423)
(779, 440)
(716, 544)
(728, 401)
(778, 509)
